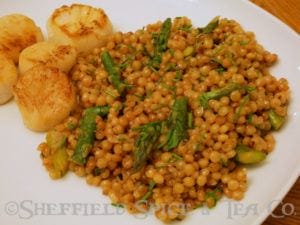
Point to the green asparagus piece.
(86, 137)
(178, 123)
(60, 163)
(190, 120)
(149, 192)
(145, 143)
(237, 114)
(114, 73)
(275, 120)
(246, 155)
(160, 43)
(213, 24)
(56, 141)
(249, 89)
(218, 93)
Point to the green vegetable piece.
(168, 87)
(186, 28)
(178, 75)
(237, 114)
(149, 192)
(126, 62)
(154, 62)
(118, 205)
(86, 137)
(249, 89)
(55, 139)
(224, 162)
(145, 143)
(111, 93)
(217, 61)
(242, 43)
(178, 123)
(94, 62)
(231, 57)
(90, 72)
(171, 67)
(246, 155)
(140, 97)
(71, 126)
(250, 118)
(172, 52)
(160, 42)
(96, 171)
(175, 158)
(218, 93)
(190, 120)
(214, 195)
(114, 73)
(60, 163)
(275, 120)
(213, 24)
(188, 51)
(198, 206)
(221, 69)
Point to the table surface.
(288, 212)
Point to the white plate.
(28, 196)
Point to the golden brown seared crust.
(8, 77)
(100, 21)
(44, 96)
(80, 25)
(59, 56)
(16, 33)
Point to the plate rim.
(295, 176)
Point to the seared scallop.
(82, 26)
(8, 77)
(52, 54)
(45, 97)
(16, 33)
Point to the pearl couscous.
(169, 115)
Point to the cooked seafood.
(44, 96)
(52, 54)
(82, 26)
(16, 33)
(8, 77)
